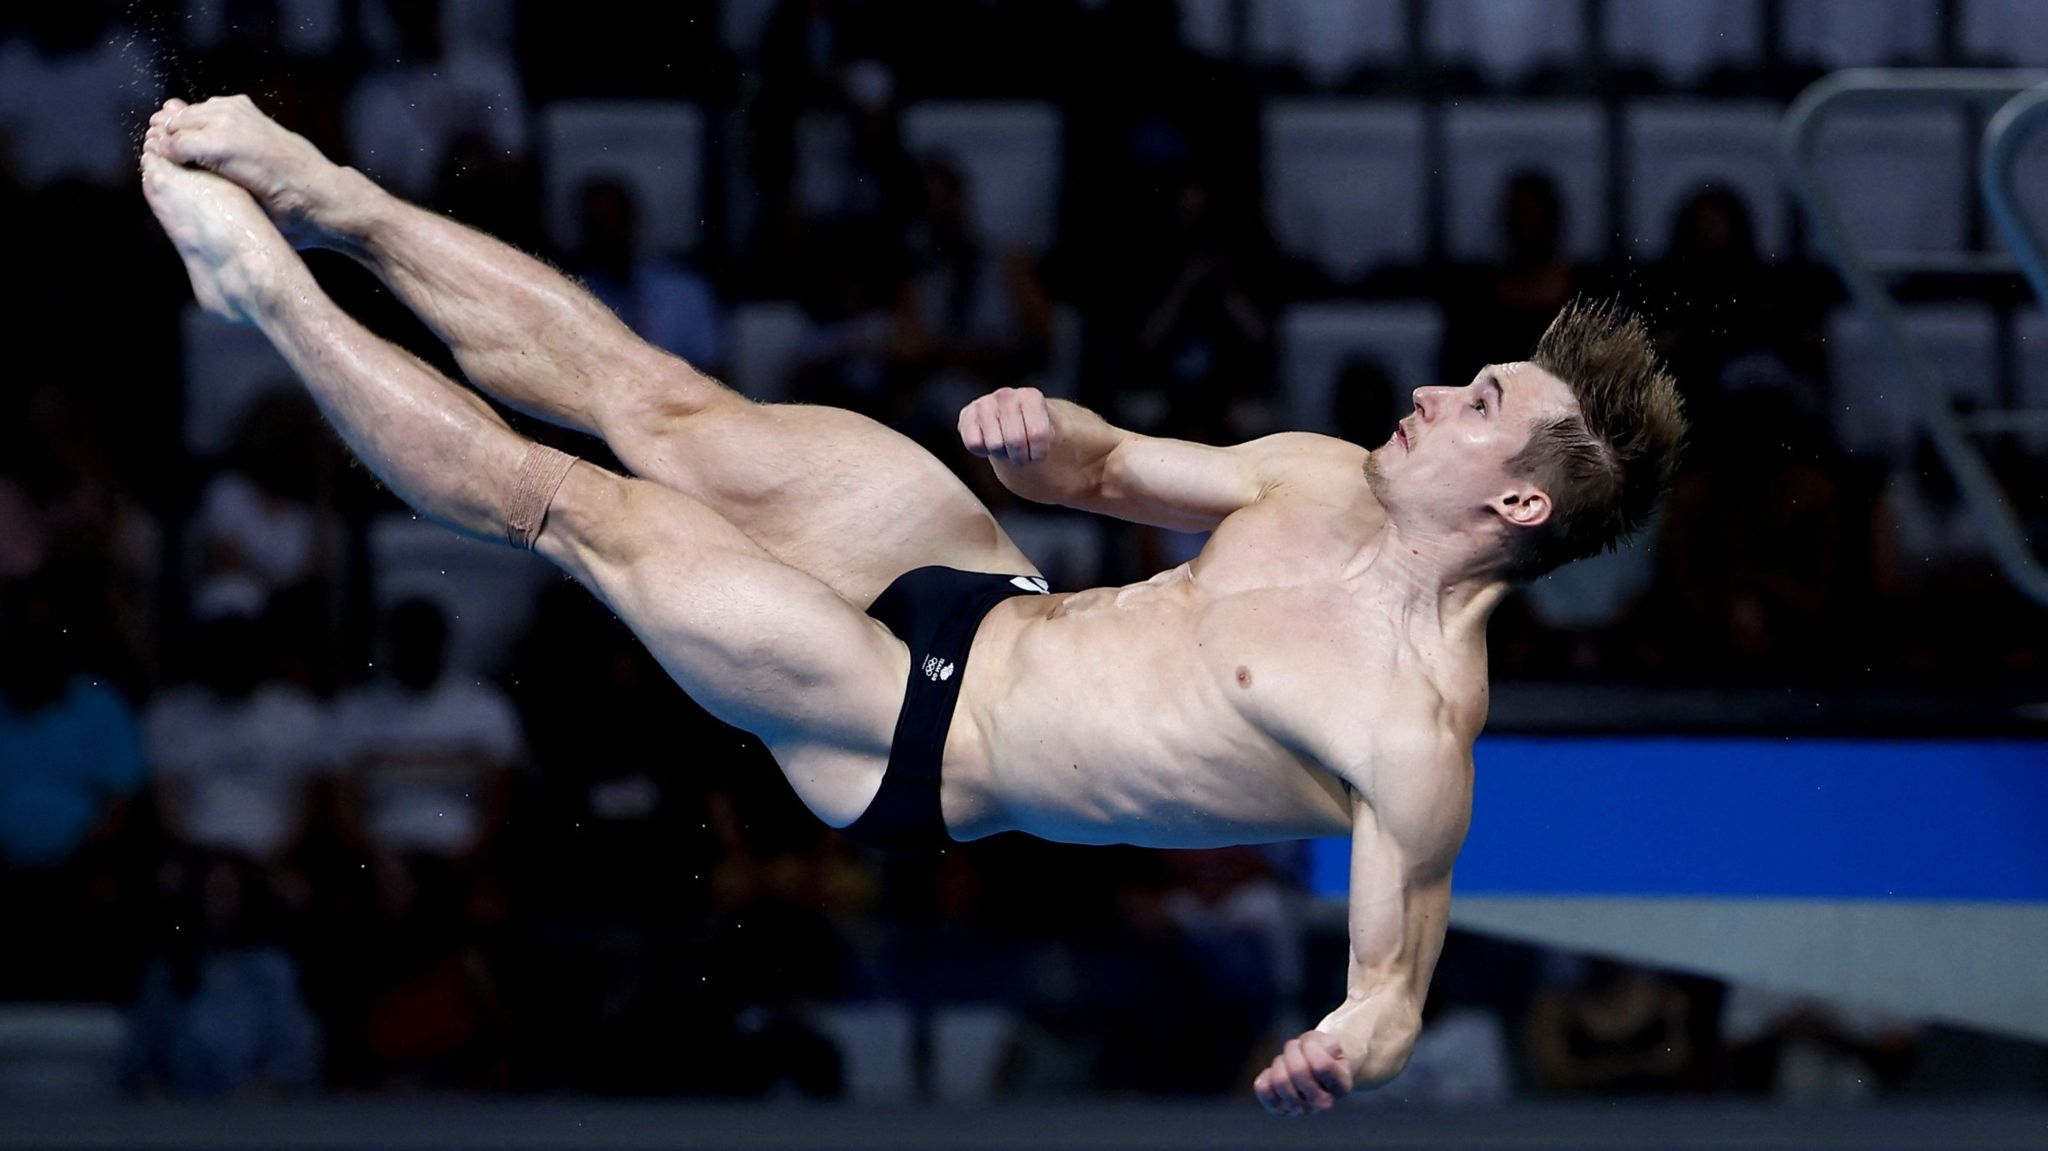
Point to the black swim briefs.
(935, 611)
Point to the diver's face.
(1450, 455)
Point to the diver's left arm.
(1400, 905)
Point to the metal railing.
(2021, 100)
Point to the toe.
(175, 105)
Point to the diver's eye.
(1480, 405)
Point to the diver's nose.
(1427, 402)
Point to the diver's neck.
(1426, 576)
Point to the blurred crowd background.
(313, 796)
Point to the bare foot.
(230, 249)
(297, 185)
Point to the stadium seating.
(2003, 31)
(304, 27)
(655, 147)
(1683, 41)
(1326, 40)
(1010, 152)
(487, 592)
(1205, 27)
(1852, 33)
(226, 368)
(1673, 148)
(1345, 183)
(765, 339)
(1486, 142)
(1316, 341)
(1900, 177)
(1873, 409)
(1506, 41)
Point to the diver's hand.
(1309, 1075)
(1015, 423)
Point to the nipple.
(1244, 676)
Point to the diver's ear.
(1524, 508)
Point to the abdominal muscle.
(1106, 717)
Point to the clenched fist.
(1015, 422)
(1308, 1075)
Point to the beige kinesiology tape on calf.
(540, 476)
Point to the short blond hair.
(1605, 465)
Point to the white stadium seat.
(2005, 31)
(1346, 184)
(968, 1045)
(1677, 147)
(304, 27)
(1899, 177)
(1010, 154)
(875, 1042)
(1487, 141)
(765, 339)
(486, 591)
(1205, 27)
(226, 368)
(1682, 41)
(1327, 39)
(1874, 408)
(1849, 33)
(1507, 40)
(1316, 340)
(656, 148)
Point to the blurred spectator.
(70, 761)
(1204, 333)
(234, 751)
(848, 354)
(72, 91)
(1611, 1028)
(815, 55)
(1924, 534)
(415, 996)
(72, 518)
(431, 750)
(823, 143)
(664, 300)
(1801, 1049)
(1752, 542)
(1241, 934)
(404, 119)
(218, 1011)
(1145, 111)
(809, 45)
(968, 319)
(1495, 315)
(1722, 304)
(1952, 612)
(262, 519)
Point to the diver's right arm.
(1055, 452)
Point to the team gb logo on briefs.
(938, 669)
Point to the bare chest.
(1229, 701)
